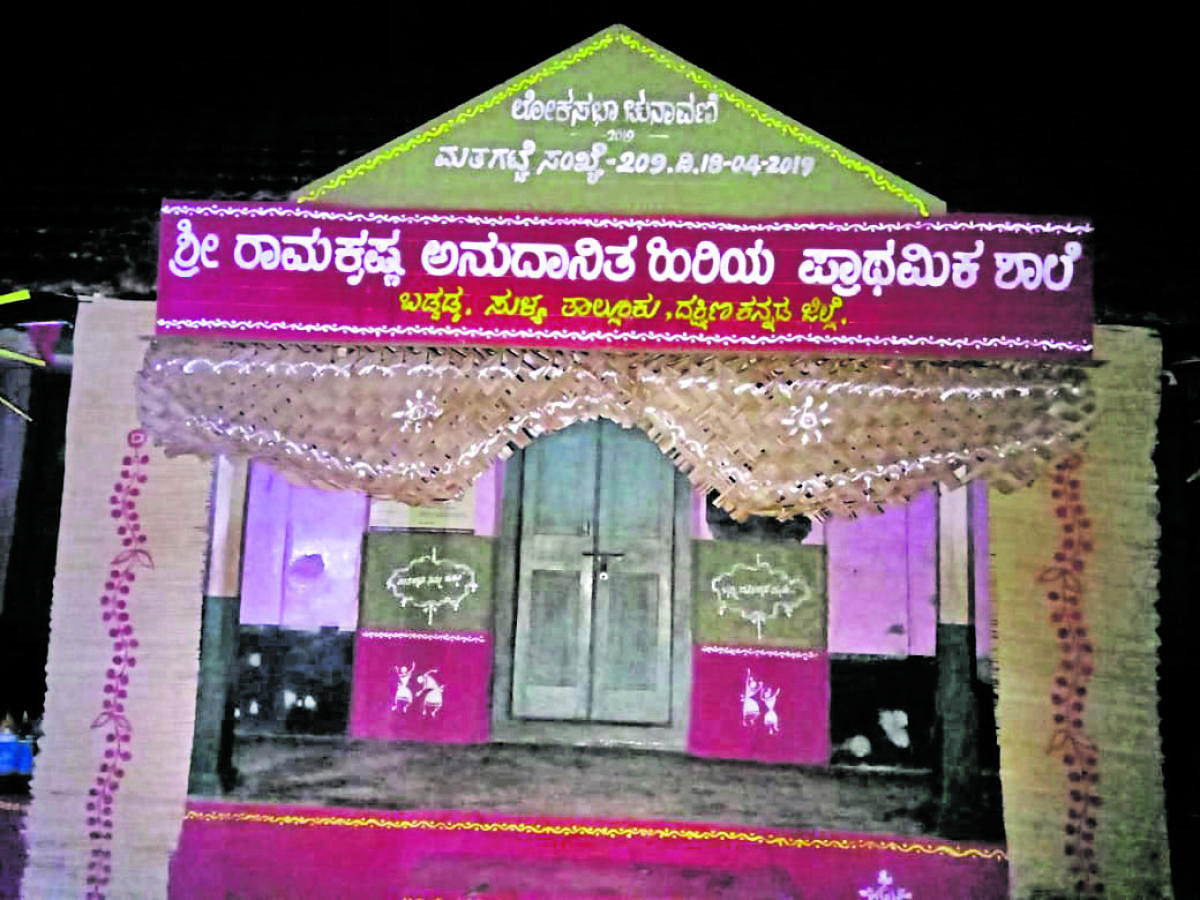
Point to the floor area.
(513, 779)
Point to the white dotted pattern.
(657, 339)
(918, 225)
(718, 650)
(448, 637)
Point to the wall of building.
(375, 619)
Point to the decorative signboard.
(948, 286)
(766, 704)
(421, 686)
(763, 594)
(427, 582)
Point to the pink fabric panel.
(921, 519)
(262, 850)
(489, 496)
(394, 698)
(868, 583)
(883, 578)
(324, 548)
(983, 565)
(302, 554)
(769, 705)
(267, 503)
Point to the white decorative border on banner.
(425, 636)
(418, 332)
(720, 650)
(608, 222)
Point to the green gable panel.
(618, 124)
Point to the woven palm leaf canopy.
(772, 435)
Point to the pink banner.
(769, 704)
(948, 286)
(422, 686)
(261, 850)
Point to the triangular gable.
(616, 101)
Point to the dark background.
(1021, 111)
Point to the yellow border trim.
(561, 65)
(604, 831)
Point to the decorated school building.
(610, 486)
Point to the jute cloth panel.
(772, 435)
(1095, 645)
(123, 843)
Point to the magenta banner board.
(951, 286)
(422, 686)
(278, 850)
(285, 850)
(765, 703)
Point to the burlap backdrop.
(163, 606)
(1107, 747)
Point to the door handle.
(601, 553)
(602, 575)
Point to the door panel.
(632, 668)
(632, 625)
(637, 487)
(560, 483)
(554, 613)
(551, 656)
(593, 635)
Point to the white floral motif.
(807, 421)
(883, 889)
(417, 409)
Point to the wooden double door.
(593, 633)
